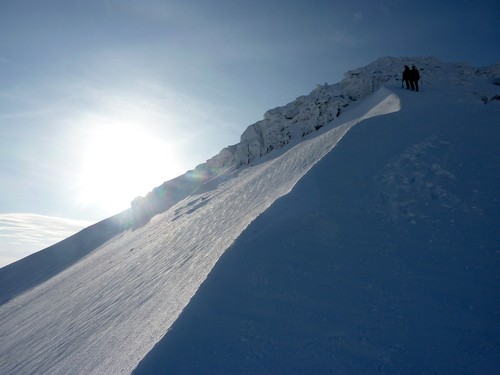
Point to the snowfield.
(316, 247)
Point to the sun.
(121, 162)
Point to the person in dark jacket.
(406, 77)
(414, 77)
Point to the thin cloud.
(41, 228)
(25, 233)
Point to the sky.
(101, 101)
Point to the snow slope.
(372, 204)
(382, 259)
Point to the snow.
(319, 248)
(382, 259)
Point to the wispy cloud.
(25, 233)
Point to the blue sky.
(100, 101)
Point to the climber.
(414, 77)
(406, 77)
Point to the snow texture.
(309, 247)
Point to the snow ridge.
(383, 259)
(284, 126)
(106, 312)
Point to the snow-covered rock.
(326, 103)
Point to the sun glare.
(122, 162)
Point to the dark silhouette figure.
(406, 77)
(414, 77)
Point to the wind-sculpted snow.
(121, 290)
(103, 314)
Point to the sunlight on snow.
(121, 162)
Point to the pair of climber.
(411, 77)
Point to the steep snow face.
(383, 259)
(103, 314)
